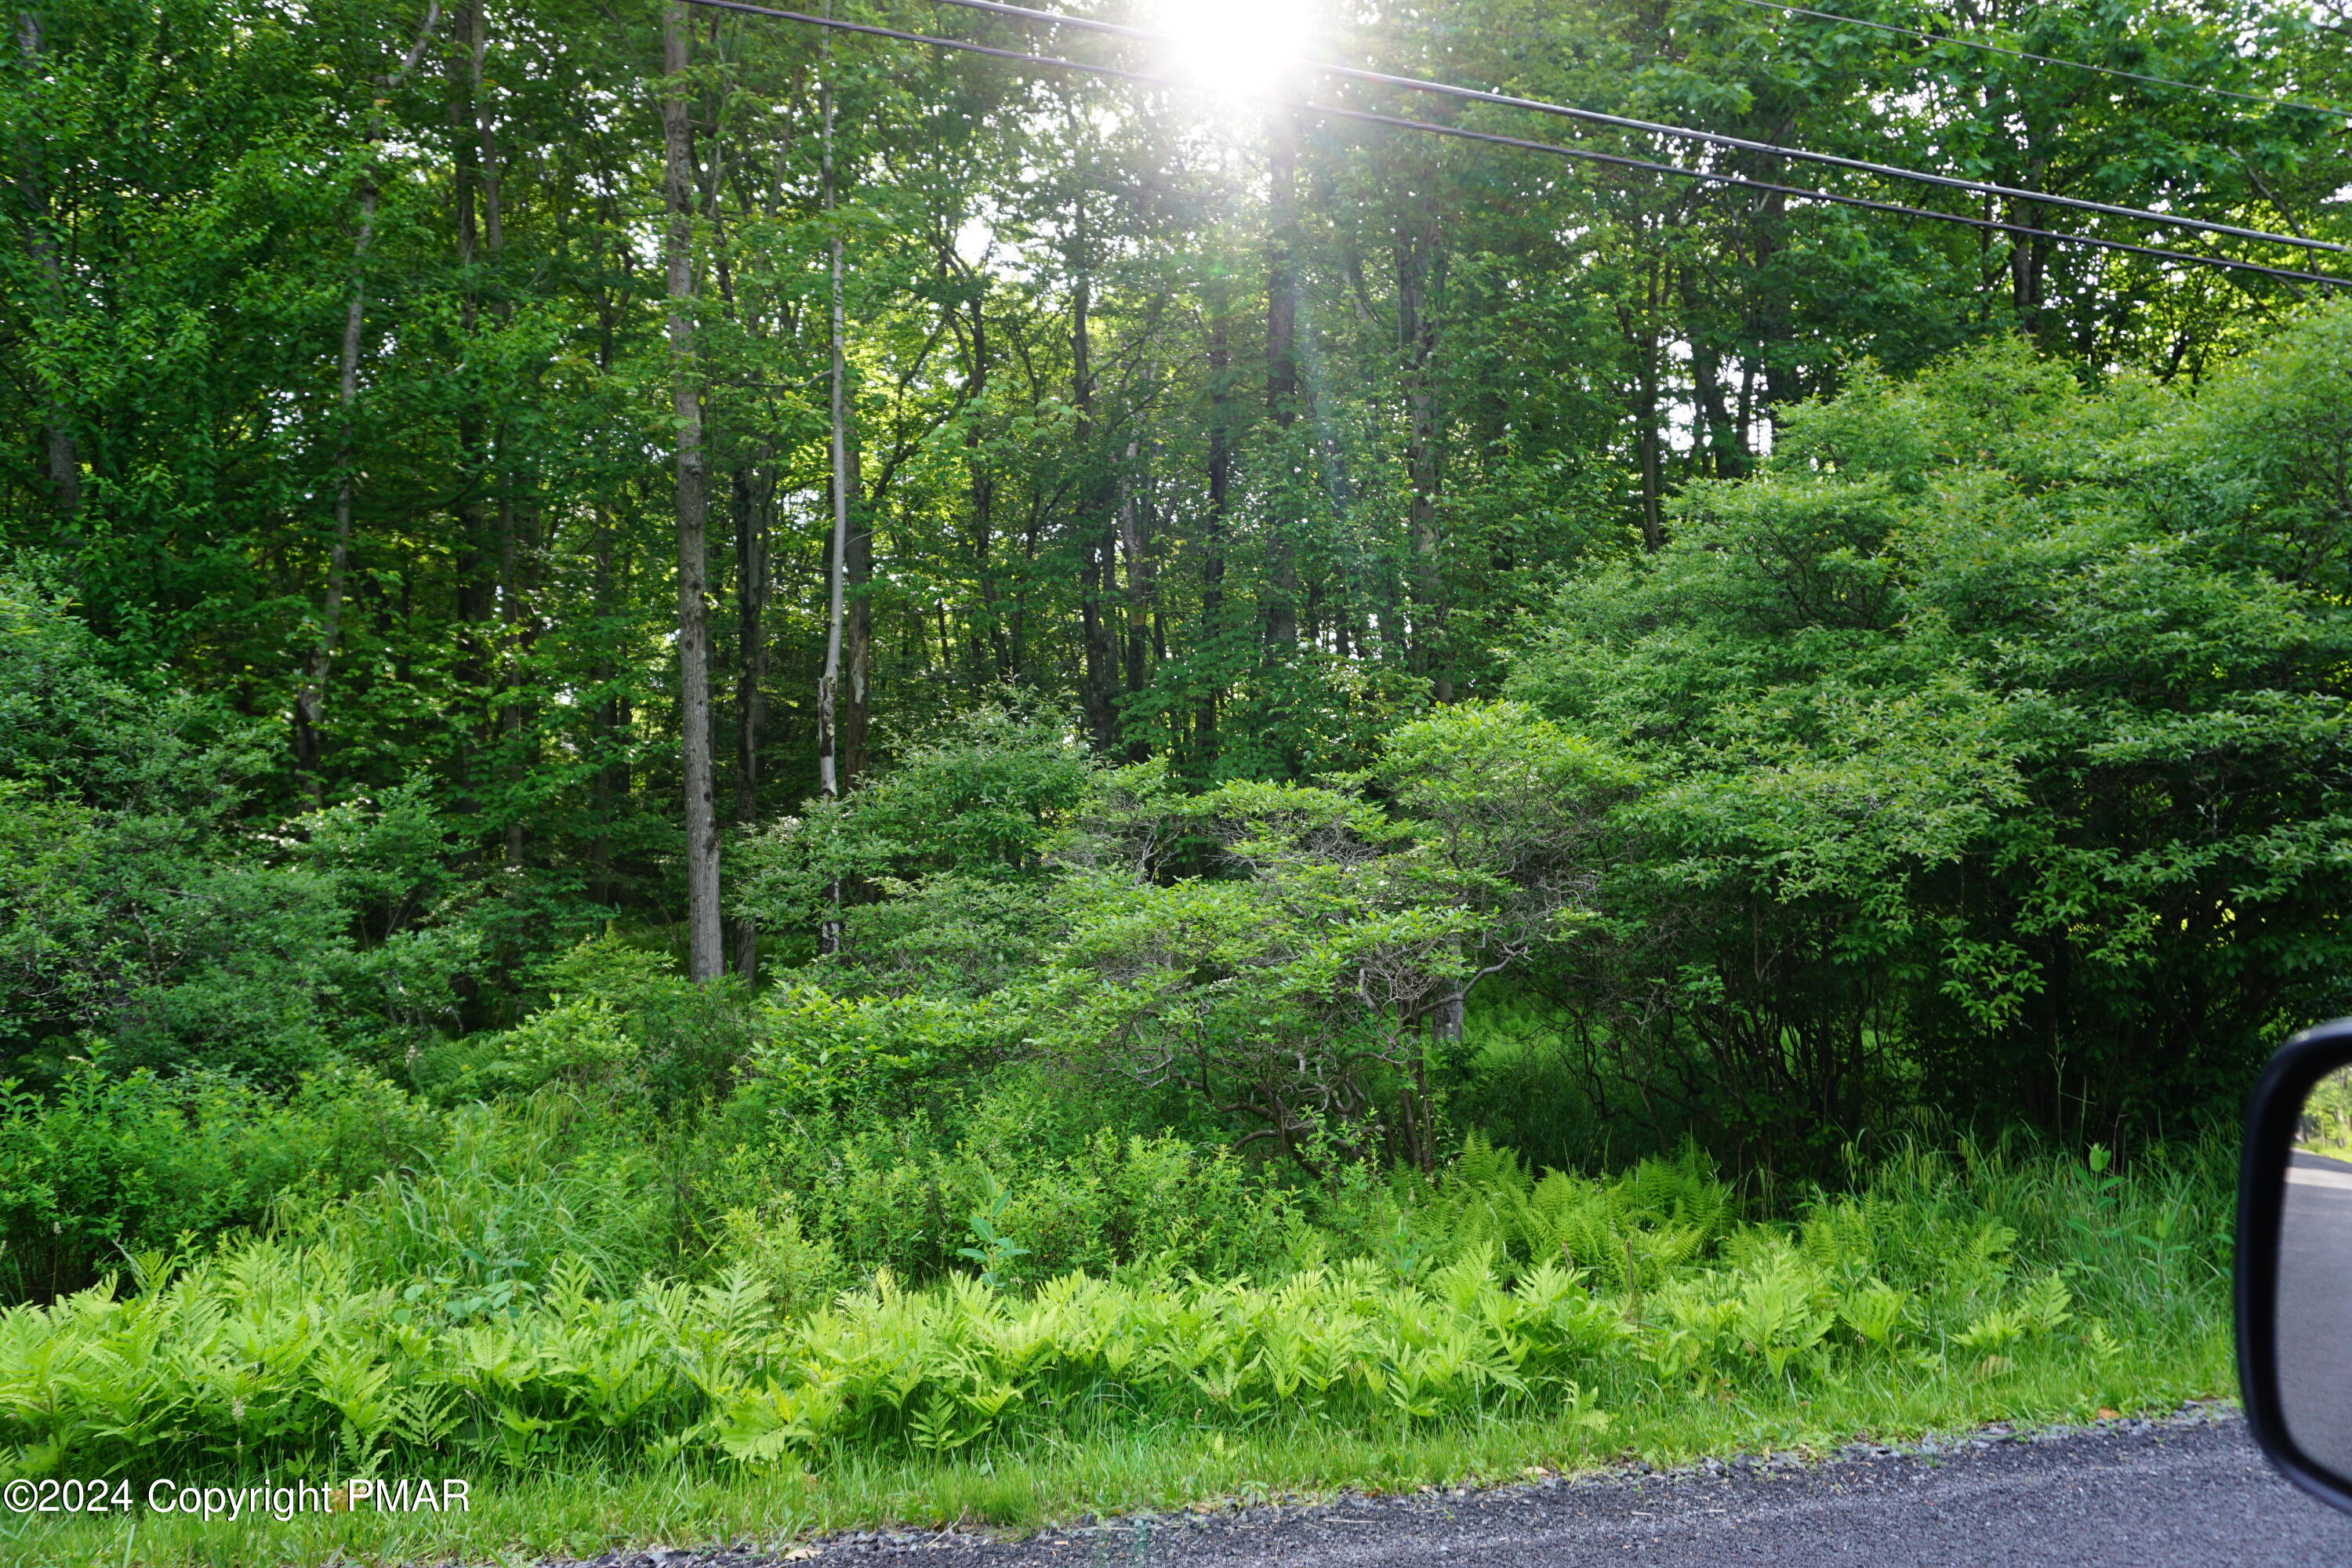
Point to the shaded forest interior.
(1535, 648)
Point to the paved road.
(2184, 1494)
(2315, 1309)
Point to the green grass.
(1158, 1467)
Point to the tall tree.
(704, 957)
(310, 695)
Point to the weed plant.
(1570, 1301)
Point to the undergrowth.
(1565, 1318)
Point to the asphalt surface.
(2315, 1309)
(2189, 1492)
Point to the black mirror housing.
(2276, 1121)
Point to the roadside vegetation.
(1388, 926)
(1617, 1067)
(460, 1319)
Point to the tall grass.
(362, 1347)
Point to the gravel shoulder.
(2187, 1492)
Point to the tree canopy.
(1289, 568)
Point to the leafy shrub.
(117, 1162)
(579, 1041)
(514, 1193)
(688, 1039)
(140, 903)
(1931, 708)
(819, 1053)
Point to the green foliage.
(1111, 1203)
(121, 1162)
(619, 1016)
(140, 903)
(376, 1359)
(1986, 738)
(1299, 981)
(579, 1042)
(818, 1052)
(936, 874)
(1627, 1233)
(509, 1198)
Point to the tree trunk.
(476, 667)
(704, 960)
(1642, 337)
(310, 693)
(1094, 558)
(857, 627)
(999, 662)
(750, 681)
(1282, 378)
(828, 683)
(513, 630)
(1721, 453)
(63, 454)
(1135, 506)
(1212, 540)
(1416, 265)
(310, 698)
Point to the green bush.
(117, 1163)
(514, 1193)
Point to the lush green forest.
(658, 668)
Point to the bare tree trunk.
(1282, 374)
(513, 632)
(1094, 554)
(477, 666)
(1416, 265)
(310, 698)
(1213, 533)
(828, 680)
(857, 620)
(750, 682)
(984, 490)
(63, 454)
(1643, 339)
(828, 764)
(1724, 447)
(1135, 518)
(704, 958)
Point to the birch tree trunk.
(751, 681)
(828, 683)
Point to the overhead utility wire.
(1809, 193)
(2052, 59)
(1581, 153)
(1683, 132)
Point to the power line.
(2052, 59)
(1684, 133)
(1809, 193)
(1584, 154)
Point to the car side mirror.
(2295, 1262)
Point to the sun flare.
(1235, 46)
